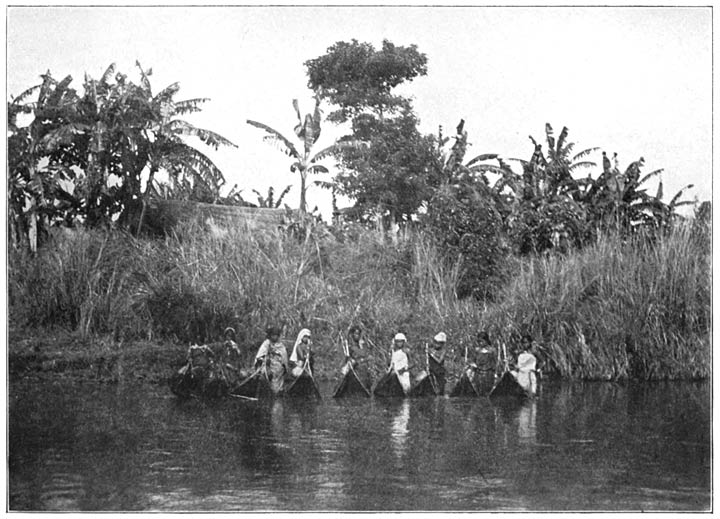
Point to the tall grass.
(587, 309)
(190, 286)
(617, 308)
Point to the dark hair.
(229, 330)
(272, 330)
(526, 337)
(354, 328)
(483, 336)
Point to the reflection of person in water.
(527, 432)
(400, 428)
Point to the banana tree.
(36, 193)
(192, 174)
(269, 200)
(106, 140)
(305, 160)
(621, 202)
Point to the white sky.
(632, 80)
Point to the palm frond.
(324, 184)
(649, 176)
(316, 119)
(296, 106)
(523, 162)
(45, 87)
(318, 168)
(549, 136)
(480, 158)
(210, 138)
(168, 92)
(60, 90)
(189, 105)
(109, 72)
(561, 139)
(308, 133)
(282, 195)
(20, 98)
(584, 153)
(276, 136)
(144, 80)
(190, 160)
(487, 168)
(581, 165)
(674, 201)
(684, 202)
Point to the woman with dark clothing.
(484, 366)
(272, 352)
(358, 356)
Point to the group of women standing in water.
(279, 373)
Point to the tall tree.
(394, 173)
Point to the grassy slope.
(587, 309)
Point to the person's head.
(439, 340)
(525, 342)
(355, 333)
(483, 339)
(273, 333)
(305, 336)
(229, 334)
(399, 341)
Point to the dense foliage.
(82, 155)
(393, 174)
(358, 79)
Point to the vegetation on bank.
(618, 308)
(608, 278)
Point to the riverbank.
(58, 354)
(620, 308)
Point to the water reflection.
(400, 428)
(526, 423)
(586, 446)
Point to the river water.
(591, 446)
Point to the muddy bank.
(62, 354)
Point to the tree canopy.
(356, 77)
(393, 174)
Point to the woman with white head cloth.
(301, 352)
(399, 361)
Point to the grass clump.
(639, 308)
